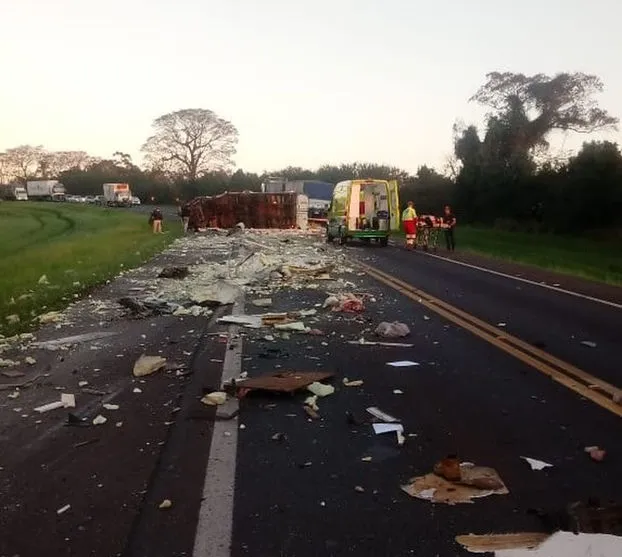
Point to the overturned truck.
(256, 210)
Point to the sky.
(306, 82)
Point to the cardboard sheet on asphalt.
(285, 382)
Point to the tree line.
(500, 175)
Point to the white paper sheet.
(387, 428)
(402, 363)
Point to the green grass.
(76, 247)
(590, 259)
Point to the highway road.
(509, 365)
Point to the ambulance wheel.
(384, 242)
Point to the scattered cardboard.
(495, 542)
(439, 490)
(285, 382)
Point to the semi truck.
(45, 190)
(13, 192)
(117, 195)
(319, 193)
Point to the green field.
(600, 261)
(75, 247)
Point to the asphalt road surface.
(271, 481)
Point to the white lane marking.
(215, 525)
(527, 281)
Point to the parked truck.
(13, 192)
(319, 193)
(117, 195)
(45, 190)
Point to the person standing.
(449, 223)
(156, 219)
(409, 218)
(184, 213)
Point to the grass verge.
(590, 259)
(76, 248)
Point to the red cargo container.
(255, 210)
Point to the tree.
(536, 105)
(53, 163)
(190, 143)
(24, 160)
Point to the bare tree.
(7, 169)
(25, 160)
(53, 163)
(191, 142)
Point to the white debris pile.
(253, 262)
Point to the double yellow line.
(581, 382)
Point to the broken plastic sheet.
(560, 544)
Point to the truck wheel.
(384, 242)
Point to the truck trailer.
(319, 193)
(117, 195)
(45, 190)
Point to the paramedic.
(409, 218)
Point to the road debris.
(359, 489)
(99, 420)
(311, 402)
(363, 342)
(262, 302)
(166, 504)
(66, 342)
(43, 280)
(111, 406)
(497, 542)
(392, 330)
(30, 360)
(67, 400)
(536, 464)
(50, 317)
(589, 343)
(12, 374)
(355, 383)
(596, 453)
(402, 363)
(320, 389)
(380, 415)
(63, 509)
(471, 482)
(146, 365)
(8, 363)
(286, 382)
(379, 429)
(214, 398)
(137, 390)
(346, 303)
(174, 273)
(559, 544)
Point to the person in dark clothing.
(184, 213)
(449, 223)
(156, 219)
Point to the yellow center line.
(564, 373)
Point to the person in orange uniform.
(409, 218)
